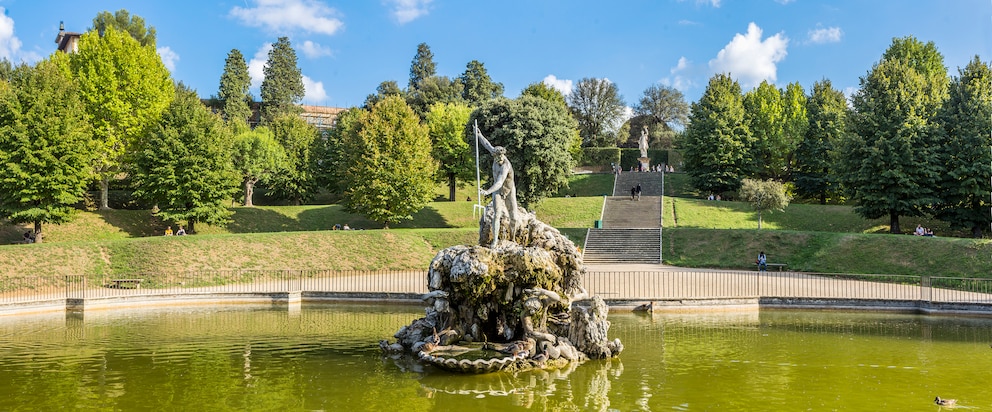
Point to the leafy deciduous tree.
(888, 161)
(122, 20)
(537, 135)
(965, 156)
(297, 179)
(542, 90)
(716, 140)
(764, 196)
(664, 110)
(46, 147)
(256, 156)
(125, 88)
(282, 87)
(386, 88)
(434, 89)
(827, 113)
(598, 107)
(387, 169)
(185, 167)
(446, 124)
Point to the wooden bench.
(780, 266)
(125, 283)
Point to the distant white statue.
(503, 189)
(643, 143)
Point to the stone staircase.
(631, 231)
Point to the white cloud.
(750, 59)
(405, 11)
(287, 15)
(685, 22)
(714, 3)
(825, 35)
(562, 85)
(169, 58)
(678, 78)
(313, 91)
(256, 66)
(784, 1)
(10, 45)
(314, 50)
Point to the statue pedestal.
(645, 163)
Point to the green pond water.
(326, 357)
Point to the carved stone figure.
(643, 142)
(503, 189)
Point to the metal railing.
(634, 285)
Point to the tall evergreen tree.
(964, 154)
(184, 167)
(234, 85)
(537, 135)
(126, 88)
(282, 87)
(422, 67)
(388, 171)
(477, 85)
(827, 114)
(717, 138)
(46, 146)
(889, 160)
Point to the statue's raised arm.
(482, 140)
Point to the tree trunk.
(451, 187)
(190, 228)
(37, 232)
(823, 198)
(249, 184)
(894, 223)
(976, 232)
(759, 220)
(104, 190)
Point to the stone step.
(622, 246)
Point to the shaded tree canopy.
(386, 88)
(296, 181)
(282, 87)
(537, 135)
(814, 165)
(965, 149)
(599, 108)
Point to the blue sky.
(346, 48)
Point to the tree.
(827, 113)
(964, 155)
(666, 105)
(125, 22)
(388, 172)
(763, 113)
(184, 167)
(46, 146)
(764, 196)
(422, 66)
(446, 124)
(716, 140)
(234, 85)
(386, 88)
(478, 86)
(598, 107)
(296, 180)
(795, 120)
(282, 87)
(256, 156)
(125, 88)
(888, 161)
(537, 135)
(434, 89)
(542, 90)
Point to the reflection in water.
(326, 357)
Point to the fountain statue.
(512, 302)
